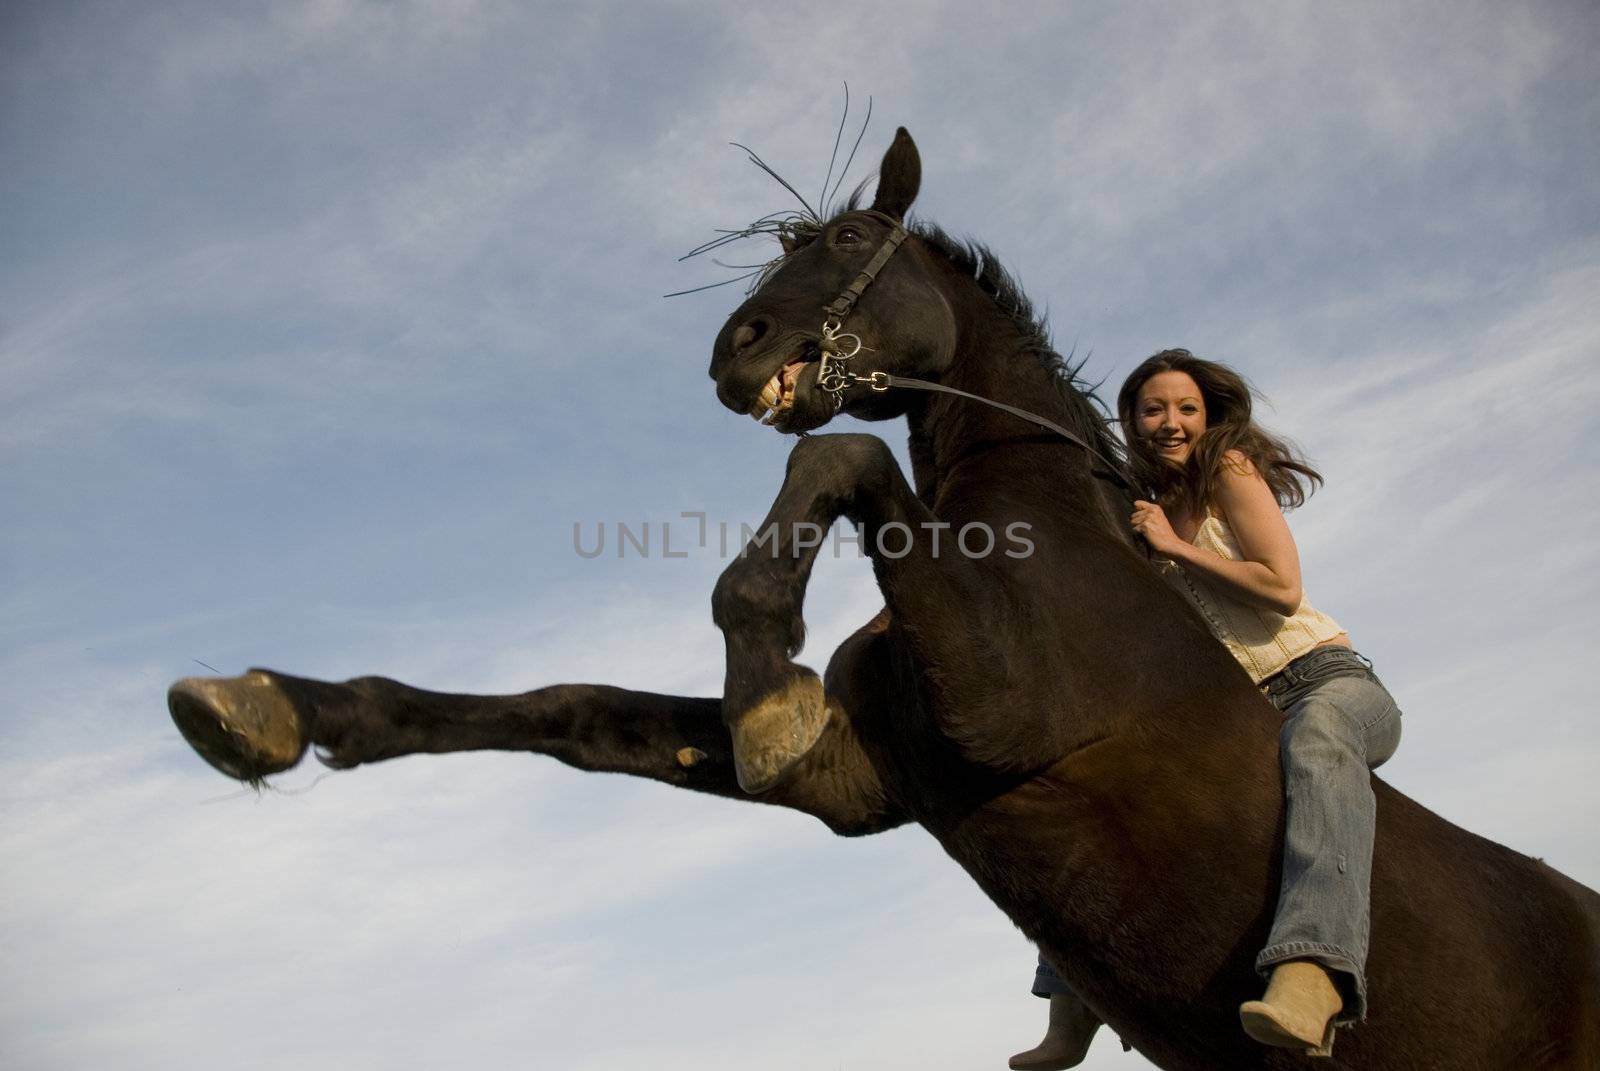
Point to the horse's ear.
(899, 177)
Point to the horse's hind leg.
(261, 723)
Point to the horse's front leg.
(263, 722)
(774, 708)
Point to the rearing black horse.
(1046, 707)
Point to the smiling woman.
(1217, 524)
(1183, 415)
(1171, 415)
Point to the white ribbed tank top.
(1263, 641)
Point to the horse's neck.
(992, 363)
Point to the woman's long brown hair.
(1191, 487)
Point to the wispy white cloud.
(1487, 408)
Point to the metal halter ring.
(836, 348)
(833, 341)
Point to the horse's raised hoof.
(244, 726)
(773, 734)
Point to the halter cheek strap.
(838, 346)
(840, 307)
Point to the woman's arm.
(1269, 574)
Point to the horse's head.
(857, 281)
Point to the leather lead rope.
(887, 380)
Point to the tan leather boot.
(1297, 1011)
(1066, 1040)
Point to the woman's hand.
(1150, 521)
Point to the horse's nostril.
(749, 333)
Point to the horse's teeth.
(776, 398)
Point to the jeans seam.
(1295, 948)
(1392, 711)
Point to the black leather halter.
(838, 346)
(840, 307)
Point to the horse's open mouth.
(778, 395)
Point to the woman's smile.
(1171, 414)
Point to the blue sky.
(322, 324)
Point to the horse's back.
(1480, 956)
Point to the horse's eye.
(846, 236)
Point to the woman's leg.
(1071, 1029)
(1047, 981)
(1339, 723)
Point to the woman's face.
(1170, 415)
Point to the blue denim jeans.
(1339, 723)
(1046, 982)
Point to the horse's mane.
(1087, 414)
